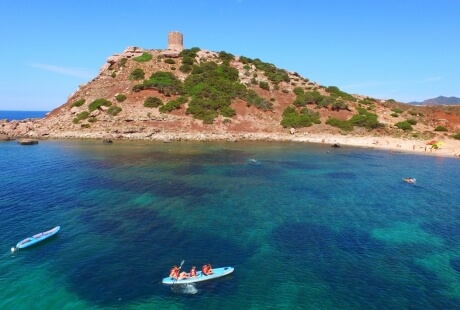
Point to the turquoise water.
(306, 226)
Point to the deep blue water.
(306, 226)
(21, 115)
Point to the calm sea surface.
(306, 226)
(20, 115)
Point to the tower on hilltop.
(175, 41)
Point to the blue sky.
(405, 50)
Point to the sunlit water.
(306, 226)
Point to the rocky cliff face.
(134, 120)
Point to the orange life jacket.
(174, 272)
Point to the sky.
(406, 50)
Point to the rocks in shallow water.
(27, 141)
(107, 141)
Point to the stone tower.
(175, 41)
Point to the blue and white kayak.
(218, 272)
(37, 238)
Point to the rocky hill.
(441, 100)
(201, 95)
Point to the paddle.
(181, 263)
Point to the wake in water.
(188, 288)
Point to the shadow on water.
(363, 265)
(132, 267)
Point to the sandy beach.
(447, 148)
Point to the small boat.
(36, 238)
(410, 180)
(200, 277)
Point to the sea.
(21, 115)
(306, 226)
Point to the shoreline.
(449, 148)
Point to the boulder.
(74, 110)
(27, 141)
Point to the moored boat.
(200, 277)
(36, 238)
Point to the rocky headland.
(178, 94)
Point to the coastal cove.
(305, 225)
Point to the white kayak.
(37, 238)
(218, 272)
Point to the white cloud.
(78, 72)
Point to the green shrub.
(338, 105)
(120, 97)
(264, 85)
(367, 101)
(456, 136)
(98, 103)
(365, 119)
(274, 74)
(310, 97)
(92, 119)
(113, 110)
(173, 104)
(298, 91)
(344, 125)
(397, 110)
(143, 58)
(335, 92)
(80, 116)
(85, 125)
(412, 121)
(152, 102)
(78, 103)
(440, 128)
(137, 74)
(252, 98)
(394, 114)
(294, 119)
(404, 125)
(185, 68)
(170, 61)
(164, 82)
(226, 57)
(114, 74)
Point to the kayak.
(37, 238)
(218, 272)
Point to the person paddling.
(174, 272)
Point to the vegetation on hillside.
(209, 83)
(304, 118)
(364, 119)
(143, 58)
